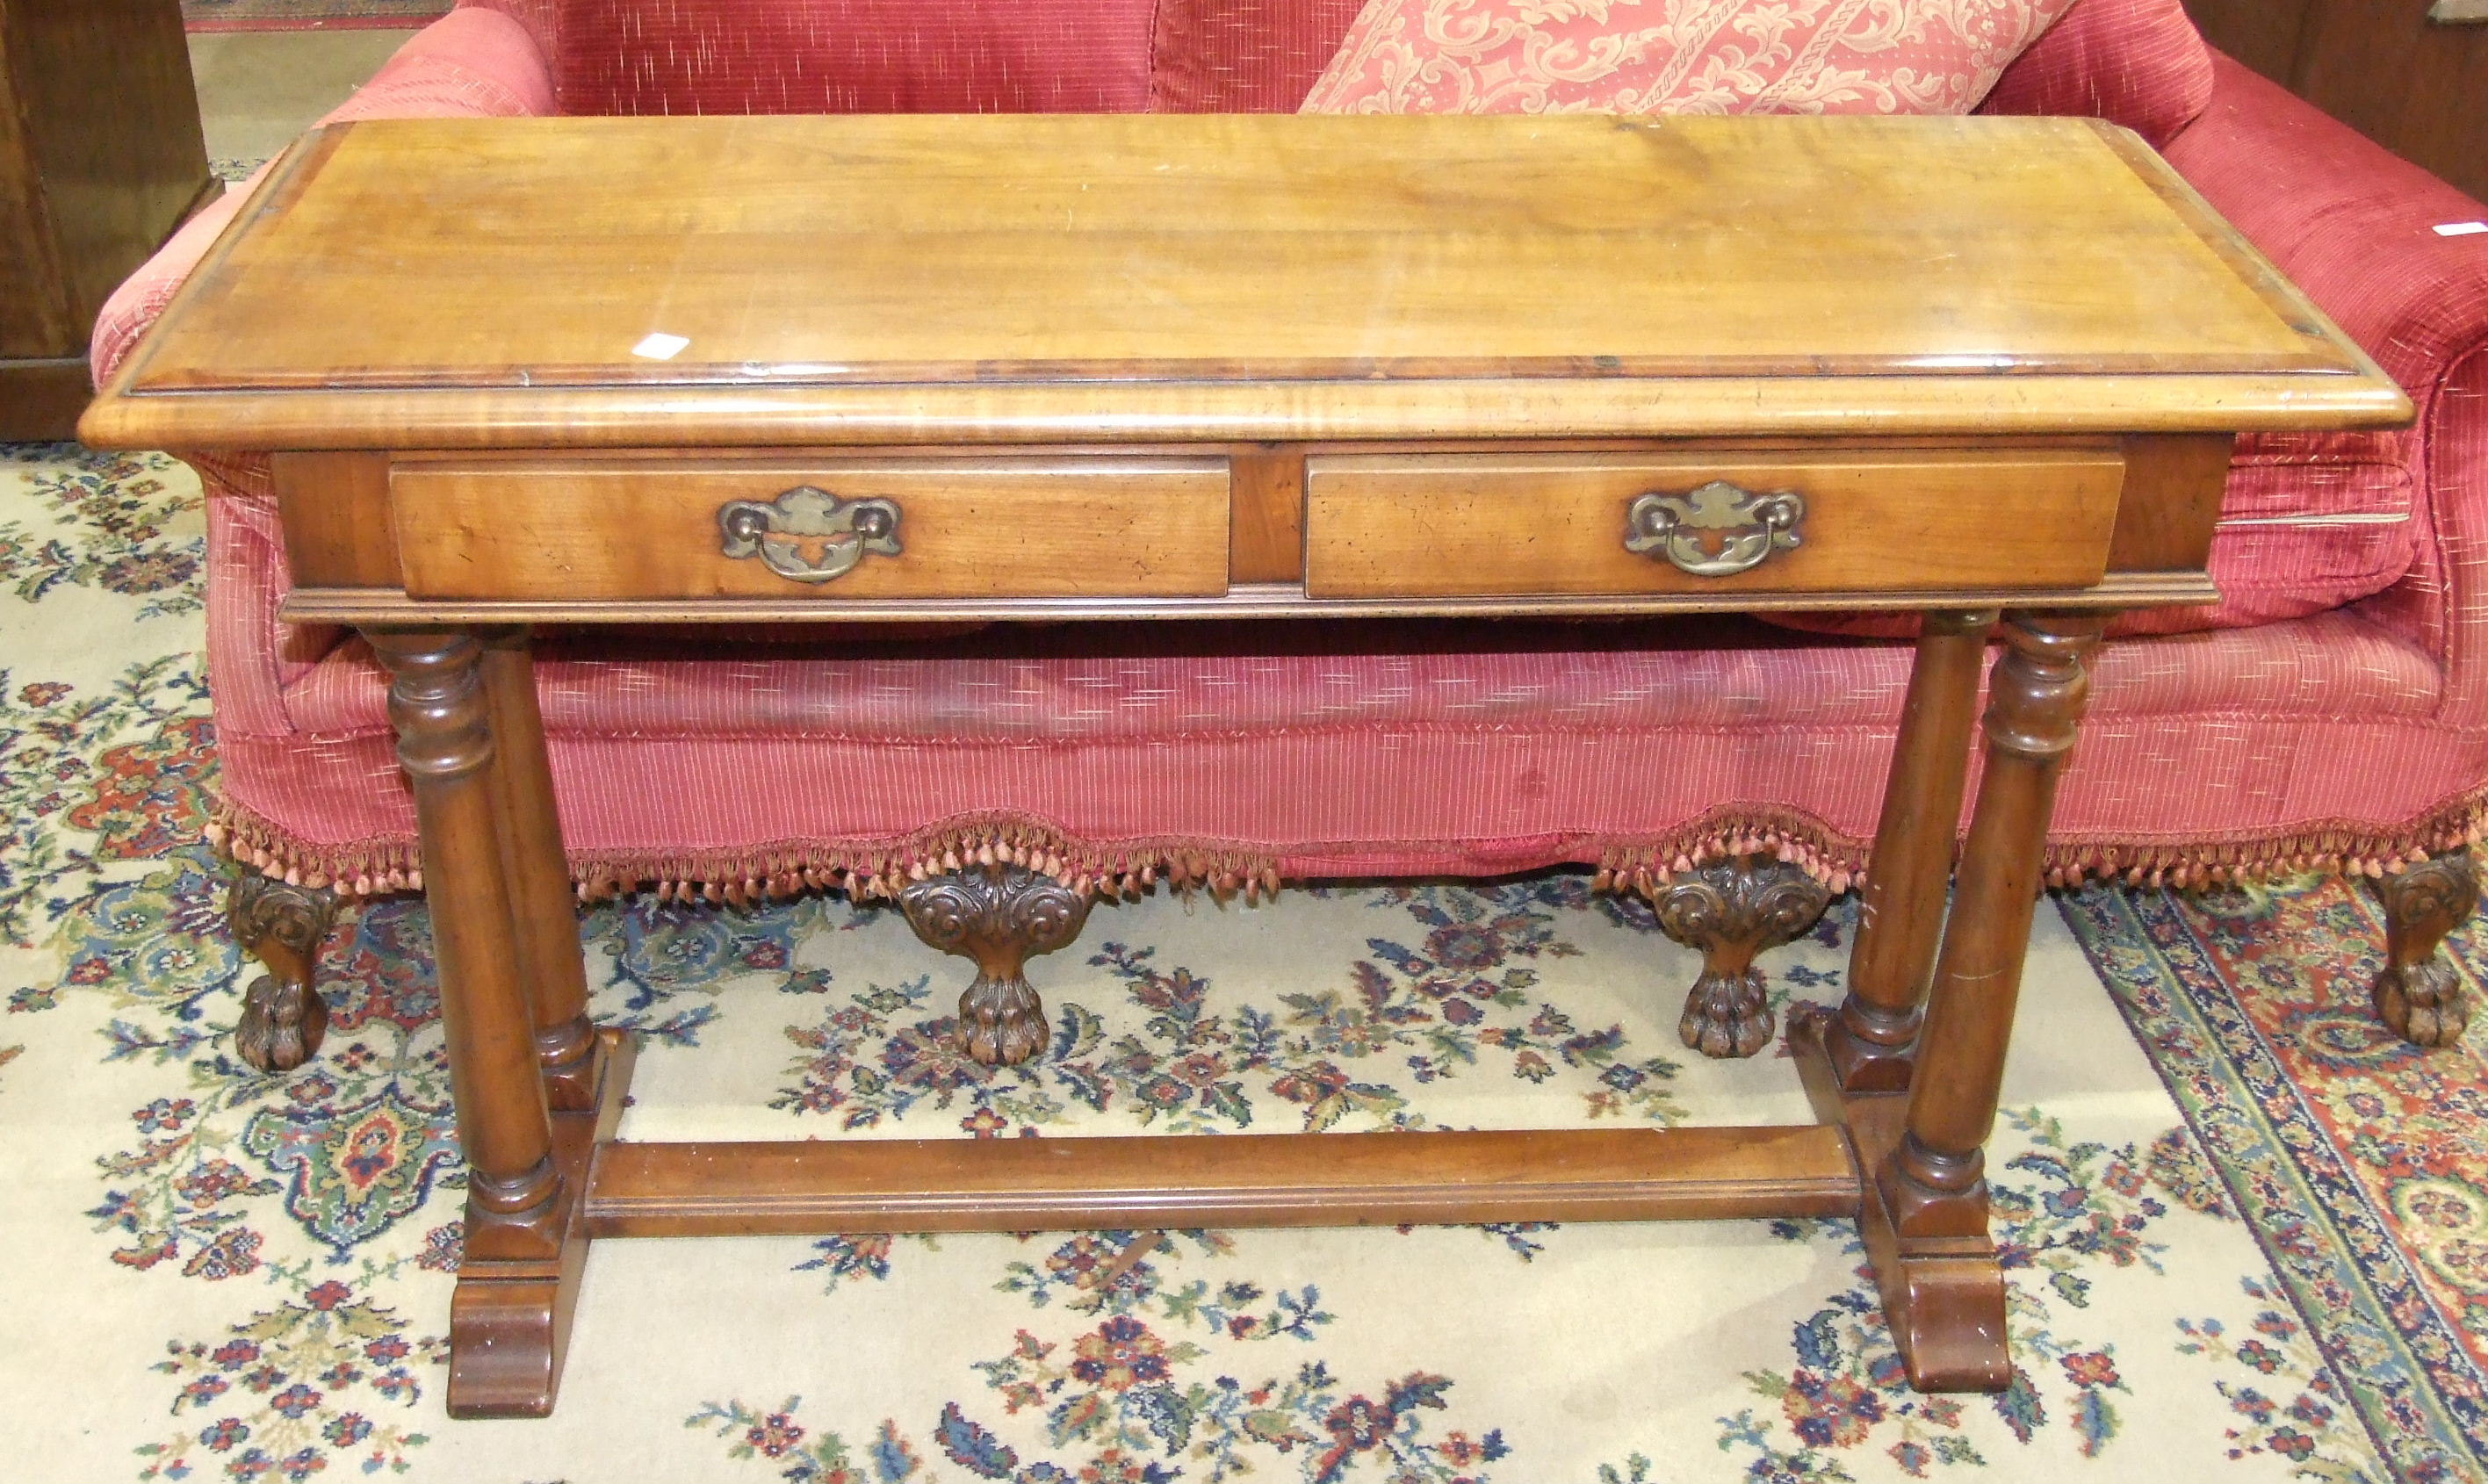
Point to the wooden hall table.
(1167, 368)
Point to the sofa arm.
(472, 63)
(541, 21)
(2354, 226)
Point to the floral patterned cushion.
(1677, 56)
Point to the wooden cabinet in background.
(2417, 86)
(100, 157)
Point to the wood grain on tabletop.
(910, 247)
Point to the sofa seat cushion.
(2309, 522)
(1677, 56)
(1172, 684)
(855, 56)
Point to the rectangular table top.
(780, 280)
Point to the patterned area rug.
(2247, 1232)
(307, 15)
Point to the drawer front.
(1495, 524)
(838, 528)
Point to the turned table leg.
(2417, 994)
(545, 909)
(1901, 909)
(1925, 1219)
(510, 1313)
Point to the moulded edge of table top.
(760, 415)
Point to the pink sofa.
(2331, 713)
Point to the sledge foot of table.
(1944, 1297)
(518, 1283)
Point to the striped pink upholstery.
(2353, 225)
(855, 56)
(2341, 713)
(1243, 56)
(2138, 63)
(476, 61)
(540, 19)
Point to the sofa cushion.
(2307, 524)
(855, 56)
(1677, 56)
(2138, 63)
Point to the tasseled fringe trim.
(1839, 860)
(1800, 840)
(2339, 848)
(866, 872)
(366, 868)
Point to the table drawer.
(842, 529)
(1481, 524)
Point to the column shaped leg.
(1901, 910)
(541, 904)
(1943, 1292)
(509, 1316)
(445, 744)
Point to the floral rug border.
(2335, 1254)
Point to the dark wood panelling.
(2262, 34)
(42, 399)
(2418, 87)
(100, 156)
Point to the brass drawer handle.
(780, 532)
(1744, 526)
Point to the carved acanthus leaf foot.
(1732, 909)
(2417, 994)
(999, 915)
(283, 1016)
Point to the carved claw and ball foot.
(2417, 994)
(1000, 916)
(282, 1013)
(1732, 909)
